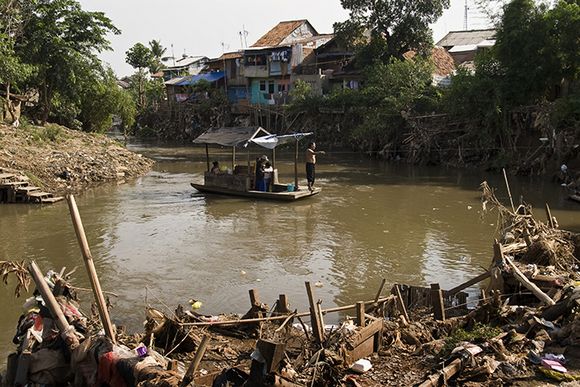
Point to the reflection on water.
(155, 240)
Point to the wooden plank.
(28, 188)
(283, 196)
(6, 175)
(364, 333)
(40, 194)
(52, 200)
(469, 283)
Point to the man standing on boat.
(310, 164)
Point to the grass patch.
(479, 334)
(49, 133)
(34, 180)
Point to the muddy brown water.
(156, 241)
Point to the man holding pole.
(310, 164)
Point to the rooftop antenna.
(243, 37)
(465, 16)
(172, 54)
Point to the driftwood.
(528, 284)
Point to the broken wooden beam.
(189, 374)
(528, 284)
(401, 303)
(317, 327)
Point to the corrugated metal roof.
(193, 79)
(462, 38)
(232, 136)
(174, 81)
(277, 34)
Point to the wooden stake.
(254, 298)
(296, 166)
(437, 301)
(376, 304)
(401, 303)
(207, 157)
(360, 314)
(317, 328)
(67, 332)
(508, 190)
(282, 307)
(89, 264)
(189, 375)
(549, 216)
(528, 284)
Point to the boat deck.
(283, 196)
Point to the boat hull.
(282, 196)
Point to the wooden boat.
(575, 197)
(239, 181)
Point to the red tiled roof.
(277, 34)
(444, 64)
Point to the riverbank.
(61, 160)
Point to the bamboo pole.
(278, 318)
(401, 303)
(508, 190)
(207, 156)
(67, 331)
(89, 264)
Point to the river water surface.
(157, 241)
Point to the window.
(281, 87)
(271, 87)
(262, 85)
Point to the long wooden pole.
(66, 330)
(507, 185)
(89, 264)
(233, 158)
(207, 156)
(296, 166)
(278, 318)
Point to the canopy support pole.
(233, 158)
(207, 156)
(296, 166)
(274, 158)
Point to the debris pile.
(523, 327)
(61, 160)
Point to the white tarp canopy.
(273, 140)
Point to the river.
(156, 241)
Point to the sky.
(209, 28)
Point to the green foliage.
(47, 133)
(478, 335)
(102, 99)
(62, 41)
(157, 51)
(301, 91)
(396, 26)
(139, 56)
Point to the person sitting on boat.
(268, 172)
(260, 185)
(215, 170)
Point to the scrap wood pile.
(525, 326)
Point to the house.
(270, 63)
(464, 45)
(187, 65)
(332, 61)
(235, 82)
(179, 89)
(444, 65)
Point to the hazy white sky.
(204, 27)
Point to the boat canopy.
(273, 140)
(233, 136)
(243, 136)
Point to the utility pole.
(465, 16)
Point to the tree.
(139, 57)
(395, 26)
(62, 41)
(157, 51)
